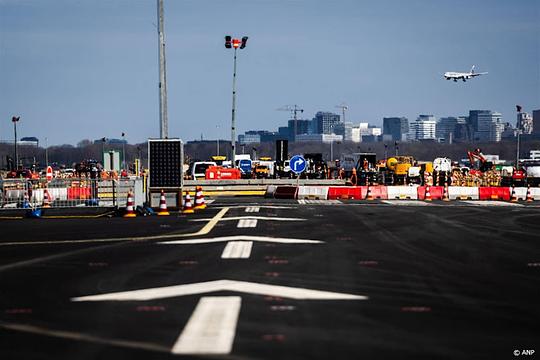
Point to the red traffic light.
(235, 43)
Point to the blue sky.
(75, 69)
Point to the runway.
(276, 279)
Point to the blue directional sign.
(245, 165)
(298, 164)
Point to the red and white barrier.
(463, 193)
(402, 192)
(313, 192)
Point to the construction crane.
(294, 109)
(343, 107)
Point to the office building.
(423, 128)
(324, 122)
(536, 122)
(302, 127)
(397, 127)
(344, 129)
(486, 125)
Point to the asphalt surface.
(451, 280)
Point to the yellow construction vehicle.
(398, 167)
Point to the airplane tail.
(472, 69)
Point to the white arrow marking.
(296, 162)
(237, 250)
(252, 209)
(247, 223)
(241, 238)
(211, 328)
(221, 285)
(254, 218)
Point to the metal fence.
(71, 192)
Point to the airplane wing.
(478, 74)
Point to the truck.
(442, 171)
(398, 168)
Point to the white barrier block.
(313, 192)
(270, 190)
(463, 193)
(520, 192)
(58, 193)
(535, 192)
(402, 192)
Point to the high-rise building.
(302, 127)
(397, 127)
(345, 129)
(524, 123)
(487, 125)
(536, 122)
(424, 128)
(324, 122)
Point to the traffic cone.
(199, 198)
(163, 205)
(427, 196)
(529, 198)
(188, 208)
(369, 196)
(46, 199)
(445, 193)
(130, 212)
(513, 197)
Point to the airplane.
(463, 76)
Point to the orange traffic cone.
(427, 196)
(188, 207)
(199, 198)
(529, 198)
(163, 205)
(369, 196)
(130, 211)
(46, 199)
(513, 197)
(445, 193)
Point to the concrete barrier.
(378, 192)
(494, 193)
(286, 192)
(313, 192)
(347, 192)
(463, 193)
(436, 192)
(402, 192)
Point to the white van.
(197, 169)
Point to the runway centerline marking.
(211, 328)
(237, 250)
(271, 218)
(247, 223)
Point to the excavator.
(477, 156)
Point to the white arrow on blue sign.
(298, 164)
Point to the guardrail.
(29, 193)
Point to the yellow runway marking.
(203, 231)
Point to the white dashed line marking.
(237, 250)
(247, 223)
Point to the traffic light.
(235, 43)
(228, 42)
(244, 41)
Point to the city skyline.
(75, 70)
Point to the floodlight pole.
(233, 128)
(163, 119)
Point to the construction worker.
(342, 174)
(354, 179)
